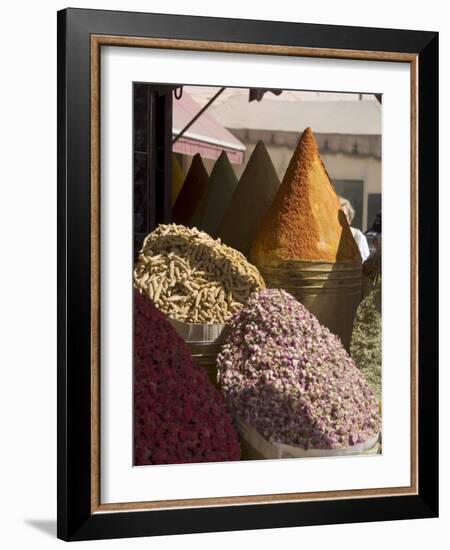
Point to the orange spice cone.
(305, 221)
(305, 244)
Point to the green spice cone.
(221, 186)
(251, 200)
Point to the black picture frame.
(76, 520)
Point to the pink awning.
(206, 136)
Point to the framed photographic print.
(239, 347)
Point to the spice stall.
(279, 359)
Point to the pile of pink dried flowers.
(291, 379)
(179, 416)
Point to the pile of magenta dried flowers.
(179, 416)
(291, 379)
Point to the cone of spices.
(305, 245)
(221, 186)
(177, 179)
(245, 214)
(192, 191)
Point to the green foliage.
(365, 348)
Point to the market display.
(257, 324)
(305, 244)
(221, 186)
(366, 339)
(191, 193)
(244, 214)
(193, 278)
(179, 417)
(290, 378)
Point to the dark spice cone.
(192, 191)
(177, 179)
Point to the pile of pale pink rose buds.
(291, 379)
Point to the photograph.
(257, 274)
(240, 348)
(225, 275)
